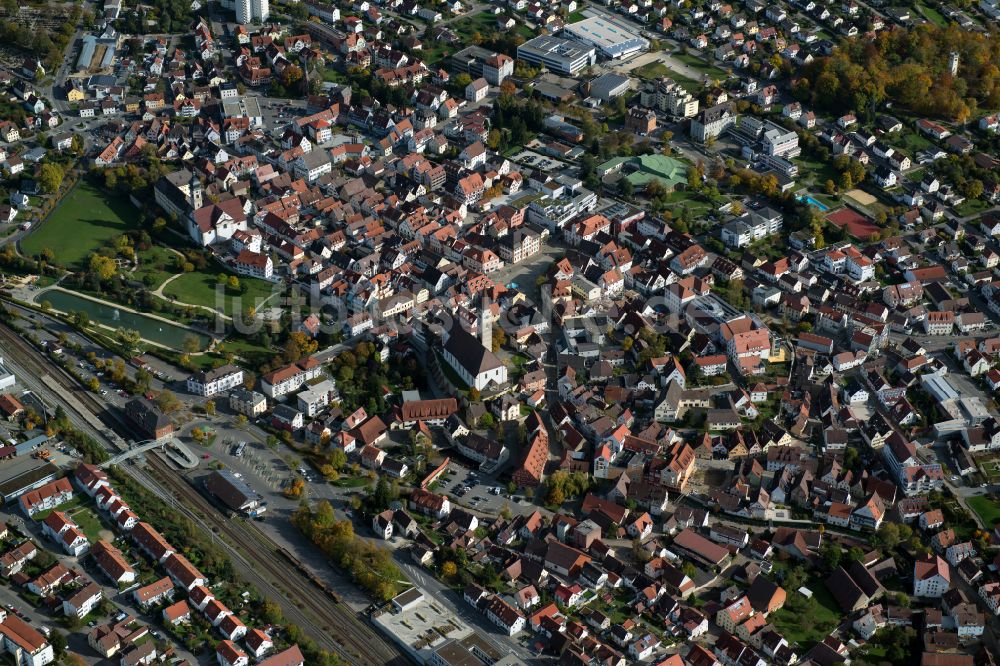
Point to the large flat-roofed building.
(23, 473)
(7, 378)
(608, 86)
(564, 56)
(610, 38)
(411, 620)
(103, 49)
(244, 107)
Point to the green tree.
(80, 319)
(889, 535)
(143, 380)
(795, 577)
(381, 496)
(625, 188)
(338, 459)
(128, 341)
(832, 554)
(58, 641)
(167, 401)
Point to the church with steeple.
(180, 194)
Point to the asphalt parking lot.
(477, 495)
(261, 468)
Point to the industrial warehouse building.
(563, 56)
(234, 493)
(610, 38)
(21, 474)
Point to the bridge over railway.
(180, 453)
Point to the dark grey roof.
(470, 352)
(233, 492)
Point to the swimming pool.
(812, 202)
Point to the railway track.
(332, 625)
(40, 366)
(293, 588)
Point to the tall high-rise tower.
(252, 11)
(953, 59)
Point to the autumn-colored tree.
(167, 401)
(291, 75)
(101, 267)
(294, 489)
(499, 338)
(305, 343)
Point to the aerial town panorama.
(529, 332)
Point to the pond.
(152, 330)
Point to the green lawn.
(655, 70)
(807, 621)
(652, 70)
(156, 264)
(89, 523)
(199, 288)
(689, 200)
(989, 467)
(335, 76)
(971, 207)
(702, 66)
(85, 220)
(913, 143)
(245, 349)
(985, 508)
(483, 23)
(352, 481)
(818, 171)
(933, 15)
(65, 507)
(435, 54)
